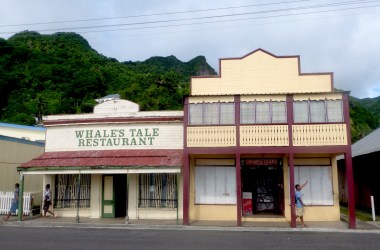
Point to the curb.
(181, 227)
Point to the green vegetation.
(360, 214)
(61, 74)
(364, 118)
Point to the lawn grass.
(360, 214)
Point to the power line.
(154, 14)
(224, 21)
(219, 16)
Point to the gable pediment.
(261, 72)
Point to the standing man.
(300, 211)
(14, 204)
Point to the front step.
(264, 218)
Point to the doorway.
(264, 185)
(114, 196)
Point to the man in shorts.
(300, 211)
(14, 204)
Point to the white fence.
(6, 200)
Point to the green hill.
(61, 74)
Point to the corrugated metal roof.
(9, 125)
(367, 145)
(104, 158)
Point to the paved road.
(92, 238)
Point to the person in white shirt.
(47, 201)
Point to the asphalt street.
(55, 238)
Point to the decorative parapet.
(271, 135)
(218, 136)
(319, 135)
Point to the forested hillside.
(61, 74)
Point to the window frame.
(313, 190)
(157, 202)
(310, 119)
(254, 118)
(60, 199)
(202, 119)
(204, 175)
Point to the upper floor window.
(262, 112)
(320, 111)
(211, 113)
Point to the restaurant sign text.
(116, 137)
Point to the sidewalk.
(120, 223)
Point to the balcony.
(267, 135)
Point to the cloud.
(343, 42)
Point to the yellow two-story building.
(256, 130)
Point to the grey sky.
(344, 42)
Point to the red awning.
(106, 158)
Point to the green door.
(108, 201)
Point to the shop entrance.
(114, 202)
(262, 186)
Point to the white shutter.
(319, 190)
(215, 185)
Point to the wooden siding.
(218, 136)
(273, 135)
(263, 98)
(317, 97)
(261, 73)
(319, 135)
(211, 99)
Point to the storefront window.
(215, 185)
(66, 191)
(319, 190)
(158, 191)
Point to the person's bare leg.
(301, 217)
(8, 215)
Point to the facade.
(115, 162)
(256, 130)
(29, 133)
(19, 144)
(15, 151)
(365, 158)
(235, 153)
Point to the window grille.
(66, 191)
(158, 191)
